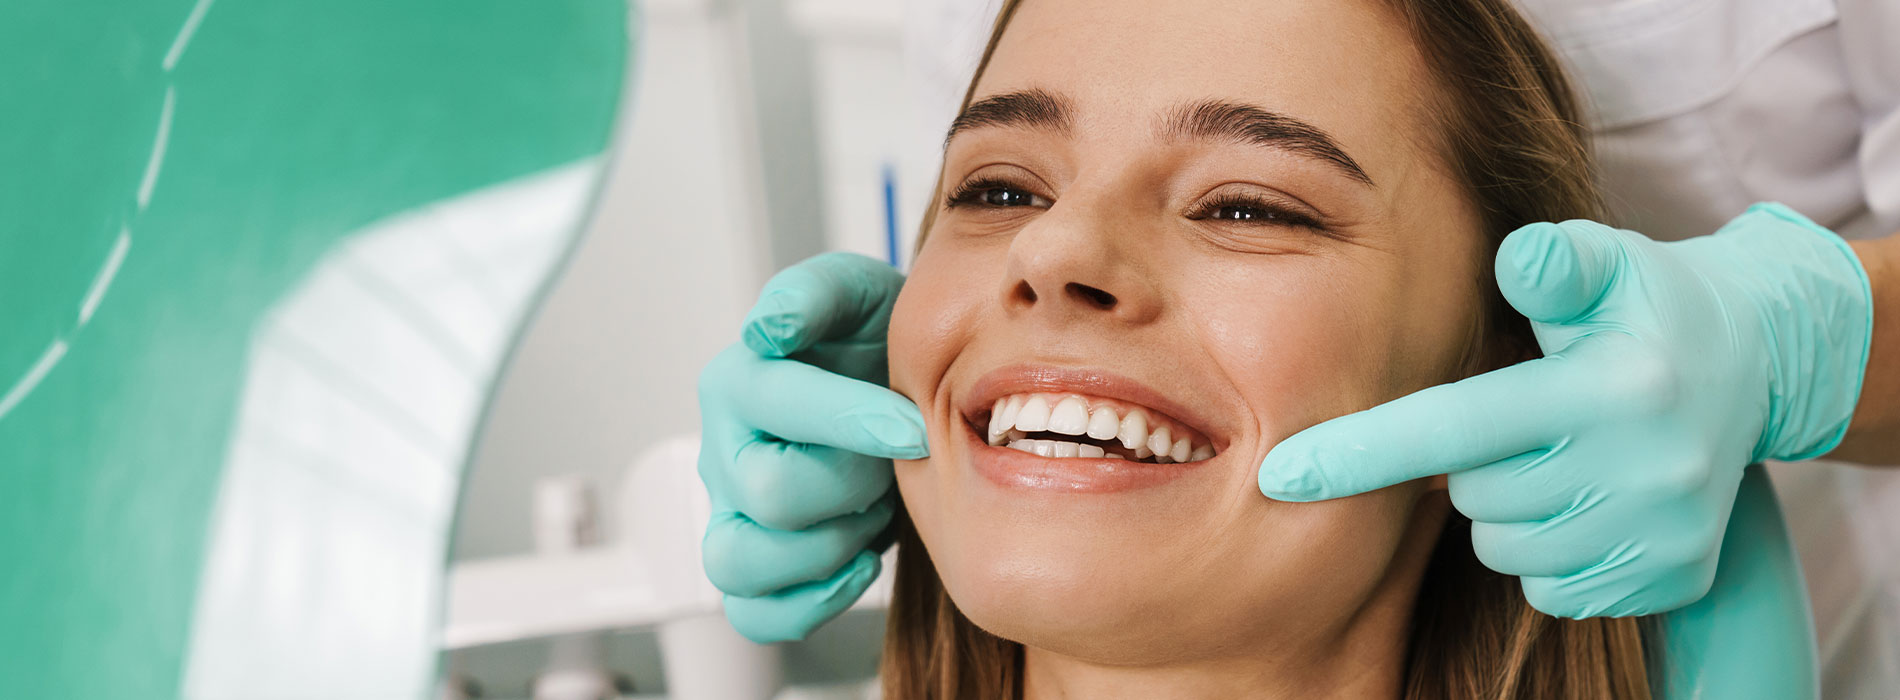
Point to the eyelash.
(971, 193)
(1272, 214)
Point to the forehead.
(1349, 67)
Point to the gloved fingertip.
(865, 568)
(1286, 476)
(1534, 251)
(792, 614)
(897, 435)
(1292, 491)
(852, 580)
(758, 625)
(776, 324)
(1551, 273)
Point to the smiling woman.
(1163, 243)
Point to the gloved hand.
(1603, 474)
(798, 433)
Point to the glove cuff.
(1821, 329)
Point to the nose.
(1073, 264)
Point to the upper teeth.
(1014, 416)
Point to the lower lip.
(1017, 469)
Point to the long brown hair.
(1510, 132)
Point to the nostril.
(1092, 296)
(1025, 292)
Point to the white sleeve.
(1872, 55)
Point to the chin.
(1066, 592)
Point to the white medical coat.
(1700, 107)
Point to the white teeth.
(1034, 416)
(1134, 429)
(998, 428)
(1012, 409)
(1013, 418)
(1060, 448)
(1103, 424)
(1161, 440)
(1003, 420)
(1069, 417)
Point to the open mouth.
(1073, 425)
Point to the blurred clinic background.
(350, 347)
(756, 133)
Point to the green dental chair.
(260, 264)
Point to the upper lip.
(1029, 378)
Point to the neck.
(1368, 662)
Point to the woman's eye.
(1247, 211)
(1006, 197)
(1241, 213)
(996, 195)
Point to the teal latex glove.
(1603, 474)
(798, 434)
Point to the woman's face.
(1224, 216)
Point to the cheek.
(933, 320)
(1311, 340)
(918, 494)
(1305, 343)
(934, 317)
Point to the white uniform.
(1701, 107)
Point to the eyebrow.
(1033, 108)
(1206, 119)
(1221, 120)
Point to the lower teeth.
(1062, 448)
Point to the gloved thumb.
(1556, 273)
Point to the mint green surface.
(1752, 636)
(291, 125)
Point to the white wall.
(758, 134)
(658, 285)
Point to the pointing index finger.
(793, 401)
(1443, 429)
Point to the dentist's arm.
(1874, 436)
(798, 436)
(1603, 474)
